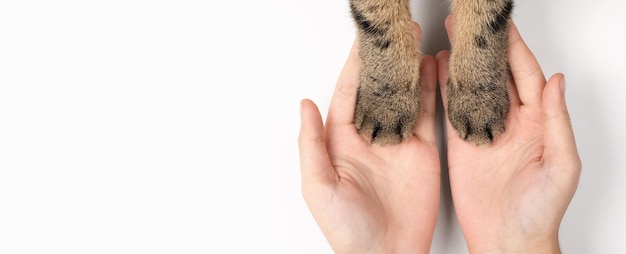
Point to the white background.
(170, 126)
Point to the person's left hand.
(368, 198)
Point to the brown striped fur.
(387, 103)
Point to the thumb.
(315, 165)
(560, 146)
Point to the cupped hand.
(510, 197)
(368, 198)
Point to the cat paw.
(478, 100)
(477, 109)
(386, 111)
(388, 94)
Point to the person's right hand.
(510, 197)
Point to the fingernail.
(562, 85)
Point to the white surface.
(170, 126)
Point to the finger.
(315, 164)
(342, 104)
(560, 145)
(443, 59)
(527, 74)
(449, 23)
(514, 99)
(425, 128)
(418, 31)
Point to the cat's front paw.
(386, 112)
(477, 109)
(478, 100)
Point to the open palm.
(512, 195)
(368, 198)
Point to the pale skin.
(509, 197)
(370, 199)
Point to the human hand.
(368, 198)
(510, 197)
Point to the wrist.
(514, 246)
(541, 250)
